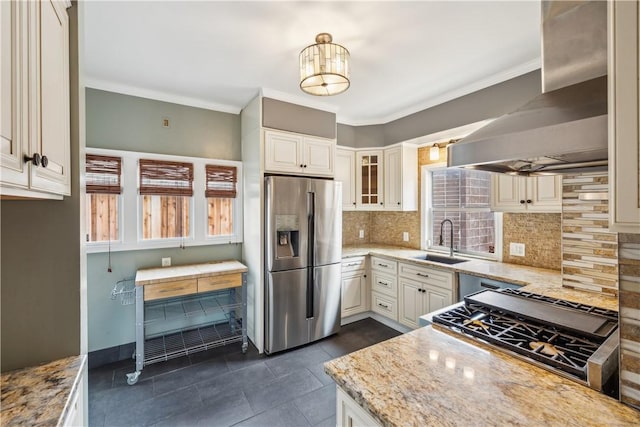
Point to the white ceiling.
(406, 56)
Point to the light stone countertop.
(39, 395)
(429, 378)
(537, 280)
(151, 276)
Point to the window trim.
(426, 219)
(130, 213)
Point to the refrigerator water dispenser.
(287, 246)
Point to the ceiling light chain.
(324, 67)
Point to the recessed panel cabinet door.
(411, 303)
(319, 157)
(282, 153)
(13, 91)
(50, 128)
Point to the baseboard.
(375, 316)
(105, 356)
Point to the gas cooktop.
(559, 335)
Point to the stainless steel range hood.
(565, 128)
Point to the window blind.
(160, 177)
(221, 181)
(103, 174)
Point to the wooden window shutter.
(103, 174)
(164, 178)
(221, 181)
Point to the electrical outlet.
(516, 249)
(166, 262)
(405, 236)
(361, 234)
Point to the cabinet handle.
(383, 265)
(382, 283)
(354, 203)
(304, 166)
(45, 161)
(301, 165)
(522, 202)
(381, 203)
(528, 200)
(398, 203)
(364, 275)
(36, 159)
(422, 275)
(352, 264)
(383, 305)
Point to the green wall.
(135, 124)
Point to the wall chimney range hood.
(563, 130)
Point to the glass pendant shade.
(324, 67)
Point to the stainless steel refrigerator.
(303, 226)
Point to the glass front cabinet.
(369, 182)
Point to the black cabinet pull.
(522, 202)
(45, 161)
(398, 203)
(36, 159)
(300, 164)
(528, 200)
(354, 203)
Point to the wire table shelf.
(176, 326)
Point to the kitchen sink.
(440, 259)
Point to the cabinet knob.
(354, 203)
(304, 166)
(398, 203)
(36, 159)
(45, 161)
(528, 200)
(381, 203)
(301, 165)
(522, 202)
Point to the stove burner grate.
(543, 343)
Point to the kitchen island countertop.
(427, 377)
(537, 280)
(40, 395)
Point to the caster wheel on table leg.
(132, 378)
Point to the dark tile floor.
(223, 387)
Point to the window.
(148, 200)
(220, 193)
(464, 197)
(103, 197)
(166, 188)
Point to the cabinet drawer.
(384, 283)
(431, 276)
(170, 289)
(223, 281)
(385, 305)
(353, 264)
(381, 264)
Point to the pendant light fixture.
(324, 67)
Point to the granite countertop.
(427, 377)
(40, 395)
(537, 280)
(150, 276)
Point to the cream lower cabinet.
(624, 116)
(34, 91)
(355, 289)
(350, 414)
(422, 290)
(296, 154)
(526, 194)
(384, 287)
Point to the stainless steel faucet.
(451, 235)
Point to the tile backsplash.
(352, 223)
(589, 249)
(629, 262)
(541, 235)
(381, 227)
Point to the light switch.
(361, 234)
(516, 249)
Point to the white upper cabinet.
(35, 119)
(345, 173)
(369, 182)
(531, 194)
(624, 116)
(401, 178)
(13, 93)
(296, 154)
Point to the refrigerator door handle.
(311, 210)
